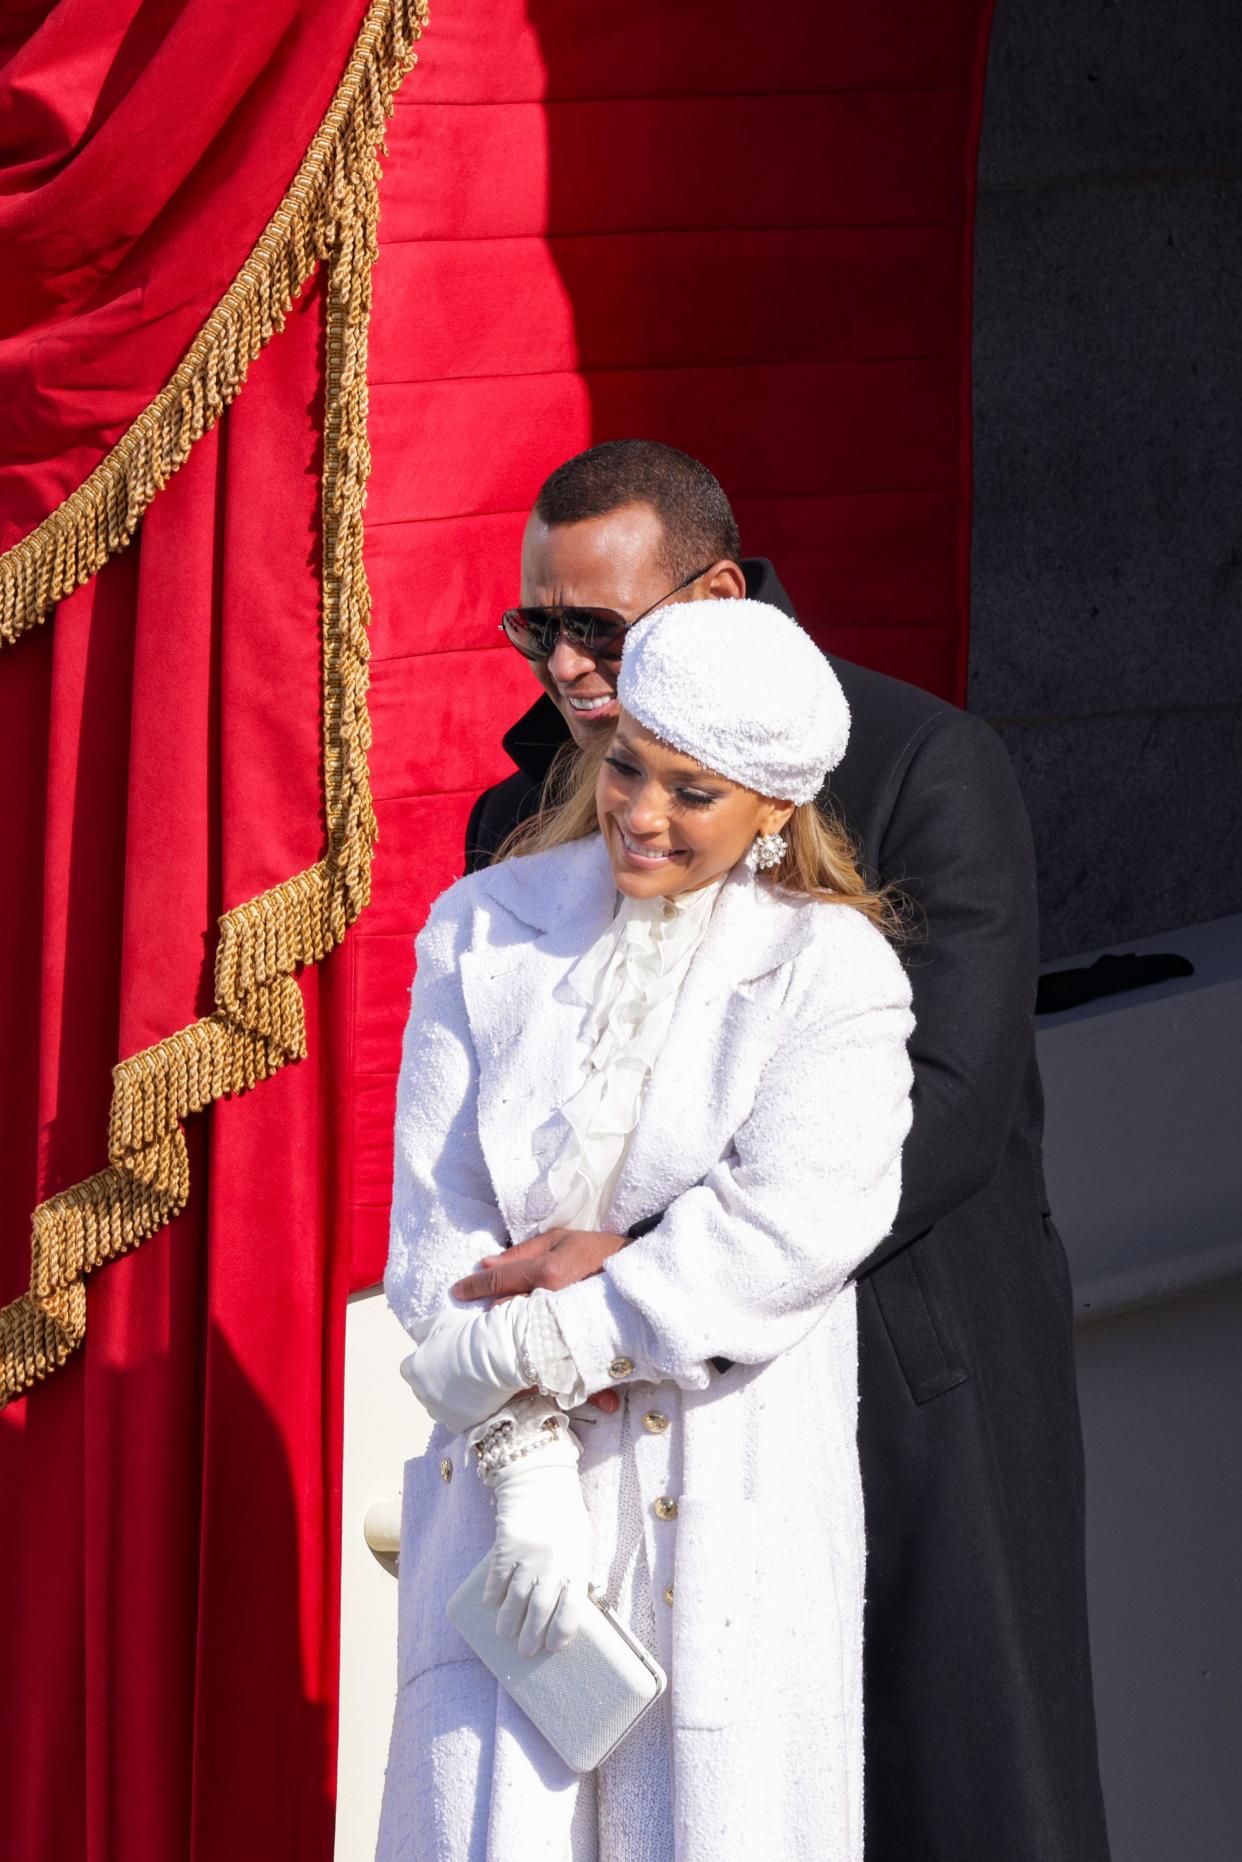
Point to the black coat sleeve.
(475, 856)
(958, 843)
(495, 815)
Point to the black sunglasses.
(598, 631)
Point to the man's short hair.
(698, 523)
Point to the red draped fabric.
(170, 1498)
(746, 234)
(169, 1551)
(144, 144)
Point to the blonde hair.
(821, 863)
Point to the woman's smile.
(648, 856)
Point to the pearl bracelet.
(503, 1444)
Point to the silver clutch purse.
(585, 1698)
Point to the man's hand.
(558, 1258)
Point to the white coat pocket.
(714, 1583)
(447, 1524)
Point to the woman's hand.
(559, 1258)
(541, 1557)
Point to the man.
(980, 1736)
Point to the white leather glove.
(469, 1364)
(541, 1557)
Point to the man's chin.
(587, 727)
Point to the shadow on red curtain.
(759, 230)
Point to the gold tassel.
(257, 1024)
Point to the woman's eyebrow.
(694, 772)
(684, 772)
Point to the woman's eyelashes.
(692, 798)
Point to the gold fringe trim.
(101, 516)
(257, 1025)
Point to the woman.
(675, 1013)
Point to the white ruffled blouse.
(630, 977)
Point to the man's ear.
(725, 582)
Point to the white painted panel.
(384, 1426)
(1141, 1146)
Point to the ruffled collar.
(650, 936)
(629, 978)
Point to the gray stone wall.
(1107, 583)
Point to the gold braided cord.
(101, 516)
(257, 1024)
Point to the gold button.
(668, 1596)
(446, 1469)
(654, 1423)
(666, 1507)
(620, 1367)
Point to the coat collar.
(567, 896)
(567, 890)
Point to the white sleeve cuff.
(547, 1356)
(611, 1342)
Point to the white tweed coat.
(770, 1136)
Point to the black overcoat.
(980, 1730)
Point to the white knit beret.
(742, 689)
